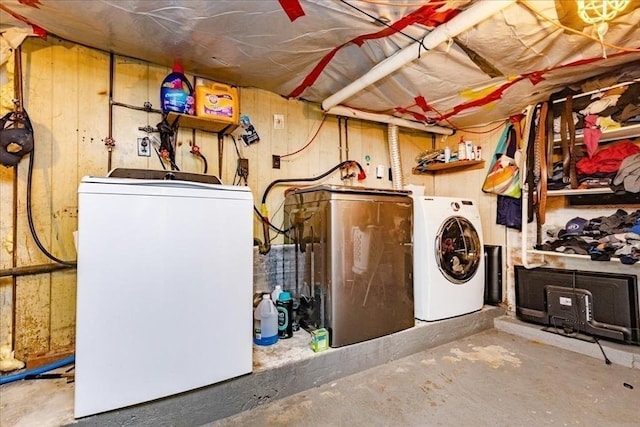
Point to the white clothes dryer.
(448, 258)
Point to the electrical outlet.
(275, 161)
(278, 121)
(243, 167)
(144, 147)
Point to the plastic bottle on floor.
(265, 322)
(275, 294)
(284, 304)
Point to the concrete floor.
(479, 369)
(489, 379)
(279, 371)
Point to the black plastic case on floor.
(603, 305)
(492, 274)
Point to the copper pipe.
(19, 96)
(33, 269)
(346, 138)
(220, 153)
(340, 136)
(109, 142)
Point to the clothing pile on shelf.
(602, 238)
(628, 175)
(616, 166)
(609, 109)
(427, 158)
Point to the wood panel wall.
(67, 90)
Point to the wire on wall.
(565, 28)
(386, 24)
(324, 118)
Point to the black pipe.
(361, 176)
(14, 256)
(32, 227)
(206, 165)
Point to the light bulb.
(595, 11)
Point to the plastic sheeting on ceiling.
(312, 49)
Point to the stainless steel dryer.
(355, 249)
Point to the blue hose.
(39, 370)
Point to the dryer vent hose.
(394, 155)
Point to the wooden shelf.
(579, 191)
(576, 256)
(624, 132)
(201, 123)
(451, 167)
(580, 198)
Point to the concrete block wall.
(277, 267)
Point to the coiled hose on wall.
(32, 227)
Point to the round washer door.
(458, 249)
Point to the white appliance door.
(164, 301)
(458, 250)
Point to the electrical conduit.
(476, 13)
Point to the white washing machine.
(448, 258)
(165, 285)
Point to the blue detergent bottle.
(176, 93)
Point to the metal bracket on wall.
(148, 129)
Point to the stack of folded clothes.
(602, 238)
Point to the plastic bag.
(503, 177)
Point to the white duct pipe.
(475, 14)
(384, 118)
(394, 155)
